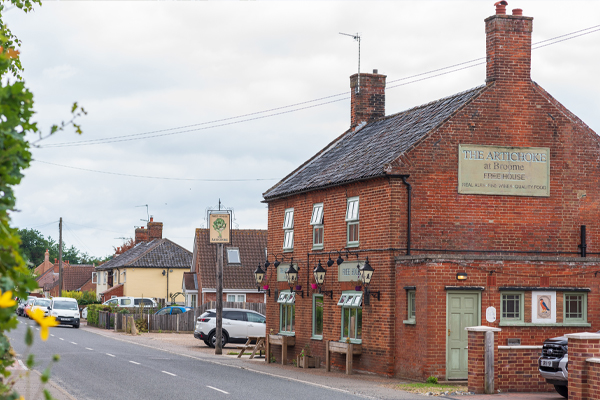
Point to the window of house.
(317, 223)
(287, 312)
(192, 301)
(124, 276)
(288, 229)
(512, 307)
(317, 320)
(575, 308)
(352, 222)
(233, 255)
(105, 275)
(411, 295)
(351, 303)
(94, 277)
(236, 297)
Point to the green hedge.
(83, 298)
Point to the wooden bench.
(280, 340)
(349, 349)
(259, 346)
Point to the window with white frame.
(574, 308)
(317, 223)
(233, 255)
(352, 222)
(288, 229)
(351, 303)
(241, 298)
(94, 277)
(287, 312)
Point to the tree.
(127, 244)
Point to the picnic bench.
(259, 345)
(349, 349)
(280, 340)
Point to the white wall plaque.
(490, 314)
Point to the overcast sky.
(140, 67)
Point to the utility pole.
(219, 327)
(60, 266)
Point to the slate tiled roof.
(159, 253)
(363, 153)
(252, 244)
(190, 281)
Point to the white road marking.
(52, 335)
(108, 354)
(37, 329)
(133, 362)
(214, 388)
(168, 373)
(61, 338)
(87, 348)
(73, 343)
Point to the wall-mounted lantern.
(292, 278)
(259, 277)
(366, 274)
(319, 273)
(461, 276)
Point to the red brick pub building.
(476, 209)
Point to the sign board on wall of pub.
(507, 171)
(348, 271)
(219, 227)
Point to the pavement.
(368, 385)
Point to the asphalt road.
(100, 368)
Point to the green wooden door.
(462, 311)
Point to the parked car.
(42, 304)
(65, 310)
(28, 305)
(172, 310)
(238, 325)
(553, 364)
(128, 301)
(21, 306)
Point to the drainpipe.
(583, 245)
(408, 222)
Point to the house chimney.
(154, 230)
(56, 266)
(368, 100)
(508, 46)
(141, 235)
(46, 257)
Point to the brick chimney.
(141, 235)
(508, 46)
(154, 230)
(368, 99)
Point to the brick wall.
(517, 370)
(594, 380)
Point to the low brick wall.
(593, 378)
(517, 370)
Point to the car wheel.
(206, 343)
(212, 339)
(562, 390)
(76, 326)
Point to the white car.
(129, 301)
(41, 303)
(238, 325)
(65, 310)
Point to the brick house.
(480, 208)
(240, 259)
(154, 267)
(77, 277)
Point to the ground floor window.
(351, 303)
(412, 308)
(575, 308)
(317, 330)
(287, 312)
(241, 298)
(512, 307)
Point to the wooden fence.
(185, 322)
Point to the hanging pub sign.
(506, 171)
(219, 226)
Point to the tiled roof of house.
(159, 253)
(190, 281)
(361, 154)
(74, 277)
(251, 243)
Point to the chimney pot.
(501, 7)
(152, 218)
(517, 11)
(375, 71)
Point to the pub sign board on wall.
(543, 307)
(219, 226)
(505, 171)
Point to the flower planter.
(266, 287)
(358, 288)
(314, 286)
(298, 287)
(308, 361)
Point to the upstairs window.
(317, 223)
(233, 255)
(352, 222)
(288, 229)
(94, 277)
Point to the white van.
(66, 311)
(129, 301)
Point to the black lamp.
(366, 274)
(319, 273)
(292, 278)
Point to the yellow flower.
(6, 299)
(44, 322)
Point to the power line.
(157, 177)
(211, 124)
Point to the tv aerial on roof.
(357, 38)
(148, 213)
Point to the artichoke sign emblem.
(219, 225)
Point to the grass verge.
(422, 388)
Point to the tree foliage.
(127, 244)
